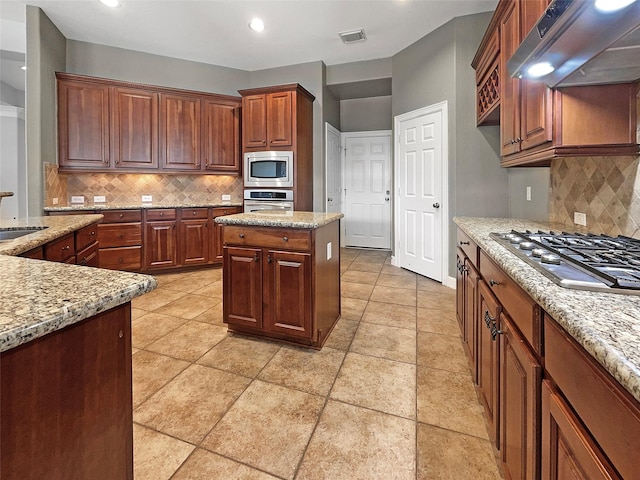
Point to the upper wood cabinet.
(134, 128)
(180, 131)
(108, 125)
(281, 118)
(83, 125)
(538, 123)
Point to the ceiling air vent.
(353, 36)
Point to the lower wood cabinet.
(161, 238)
(194, 238)
(217, 241)
(280, 283)
(120, 234)
(83, 374)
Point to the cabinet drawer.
(187, 213)
(161, 214)
(121, 216)
(124, 258)
(86, 236)
(521, 308)
(88, 256)
(60, 250)
(36, 253)
(606, 409)
(468, 246)
(120, 235)
(268, 237)
(221, 211)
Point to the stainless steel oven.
(273, 200)
(269, 169)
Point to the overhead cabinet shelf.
(111, 126)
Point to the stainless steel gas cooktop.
(580, 261)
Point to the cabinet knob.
(268, 258)
(93, 233)
(120, 334)
(162, 214)
(492, 282)
(66, 247)
(121, 215)
(463, 243)
(256, 258)
(241, 235)
(285, 239)
(194, 212)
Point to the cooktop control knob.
(550, 258)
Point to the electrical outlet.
(226, 198)
(77, 198)
(580, 218)
(55, 200)
(528, 194)
(99, 199)
(147, 198)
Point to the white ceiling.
(216, 31)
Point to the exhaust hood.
(582, 44)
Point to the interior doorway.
(421, 161)
(367, 189)
(333, 148)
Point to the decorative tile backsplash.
(607, 189)
(129, 188)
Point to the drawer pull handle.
(488, 319)
(492, 282)
(241, 235)
(256, 258)
(268, 258)
(495, 332)
(463, 243)
(285, 239)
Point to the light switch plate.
(147, 198)
(99, 199)
(77, 198)
(329, 251)
(580, 218)
(55, 200)
(226, 198)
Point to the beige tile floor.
(390, 395)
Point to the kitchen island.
(281, 275)
(65, 360)
(557, 369)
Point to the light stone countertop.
(607, 325)
(38, 297)
(269, 218)
(137, 206)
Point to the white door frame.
(444, 207)
(370, 133)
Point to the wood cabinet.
(83, 125)
(281, 283)
(120, 234)
(81, 373)
(161, 238)
(79, 247)
(134, 128)
(87, 246)
(194, 237)
(467, 297)
(112, 126)
(217, 240)
(281, 118)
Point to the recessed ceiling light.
(612, 5)
(541, 69)
(257, 25)
(110, 3)
(23, 67)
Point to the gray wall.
(11, 96)
(120, 64)
(438, 68)
(13, 175)
(46, 54)
(539, 179)
(359, 71)
(366, 114)
(310, 76)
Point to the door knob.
(386, 199)
(436, 205)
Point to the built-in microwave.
(268, 169)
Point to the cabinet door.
(568, 451)
(488, 357)
(254, 121)
(221, 137)
(242, 287)
(83, 124)
(134, 127)
(289, 277)
(279, 119)
(217, 242)
(520, 380)
(460, 281)
(194, 239)
(509, 87)
(471, 278)
(180, 132)
(161, 244)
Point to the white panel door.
(368, 189)
(419, 170)
(334, 170)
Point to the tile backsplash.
(606, 189)
(129, 188)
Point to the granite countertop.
(607, 325)
(136, 206)
(270, 218)
(38, 297)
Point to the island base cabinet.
(243, 287)
(66, 403)
(569, 452)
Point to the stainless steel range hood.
(585, 45)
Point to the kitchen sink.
(10, 234)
